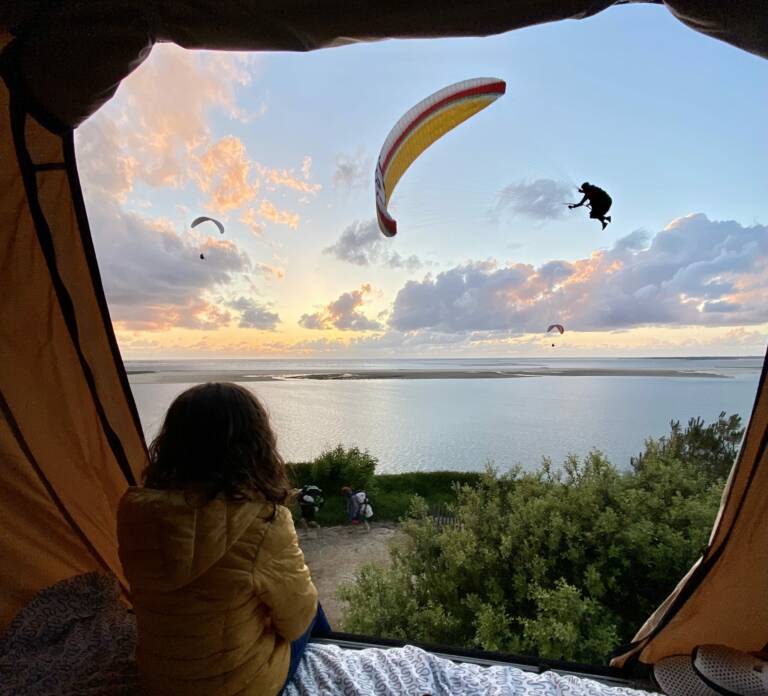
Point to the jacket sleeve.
(282, 578)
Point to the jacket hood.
(170, 538)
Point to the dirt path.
(333, 554)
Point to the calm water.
(461, 424)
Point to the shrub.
(711, 448)
(563, 564)
(331, 470)
(339, 467)
(390, 493)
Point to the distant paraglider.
(421, 126)
(202, 219)
(556, 327)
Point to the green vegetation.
(565, 564)
(390, 493)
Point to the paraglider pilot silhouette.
(598, 202)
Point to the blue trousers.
(319, 626)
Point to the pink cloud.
(286, 177)
(249, 218)
(694, 272)
(223, 174)
(196, 314)
(279, 217)
(306, 166)
(159, 118)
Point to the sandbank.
(196, 377)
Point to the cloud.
(276, 272)
(474, 296)
(362, 244)
(156, 131)
(719, 306)
(542, 199)
(103, 163)
(223, 173)
(254, 315)
(397, 341)
(553, 272)
(159, 118)
(694, 272)
(306, 166)
(279, 217)
(232, 180)
(314, 321)
(287, 178)
(634, 241)
(353, 171)
(249, 219)
(153, 277)
(342, 313)
(197, 314)
(393, 259)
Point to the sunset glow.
(280, 148)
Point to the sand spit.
(194, 377)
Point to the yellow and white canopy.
(421, 126)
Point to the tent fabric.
(31, 508)
(70, 438)
(741, 23)
(57, 42)
(723, 599)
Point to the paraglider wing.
(198, 220)
(421, 126)
(559, 328)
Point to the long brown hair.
(217, 437)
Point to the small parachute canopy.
(202, 219)
(559, 327)
(425, 123)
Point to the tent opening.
(556, 416)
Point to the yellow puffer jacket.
(219, 590)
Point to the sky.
(281, 149)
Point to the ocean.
(461, 417)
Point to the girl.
(224, 602)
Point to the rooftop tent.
(70, 438)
